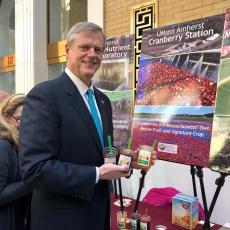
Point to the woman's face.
(15, 118)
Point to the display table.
(159, 215)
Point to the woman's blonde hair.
(7, 108)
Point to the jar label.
(121, 222)
(133, 224)
(111, 160)
(144, 157)
(124, 160)
(144, 226)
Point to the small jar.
(121, 219)
(145, 221)
(110, 155)
(135, 221)
(125, 157)
(145, 156)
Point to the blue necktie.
(94, 114)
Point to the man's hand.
(134, 163)
(113, 172)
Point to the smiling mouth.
(93, 62)
(90, 64)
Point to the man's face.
(85, 54)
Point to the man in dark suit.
(61, 144)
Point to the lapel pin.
(102, 102)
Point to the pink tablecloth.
(159, 215)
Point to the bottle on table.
(121, 219)
(135, 221)
(145, 221)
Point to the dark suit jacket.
(59, 149)
(14, 198)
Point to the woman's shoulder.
(5, 145)
(5, 149)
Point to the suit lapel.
(81, 109)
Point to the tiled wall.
(117, 13)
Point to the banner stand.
(193, 173)
(200, 176)
(219, 182)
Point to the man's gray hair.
(80, 27)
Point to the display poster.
(115, 79)
(225, 50)
(116, 71)
(220, 144)
(122, 106)
(176, 91)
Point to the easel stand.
(115, 188)
(120, 195)
(139, 190)
(200, 176)
(219, 182)
(193, 173)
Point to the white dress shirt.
(82, 88)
